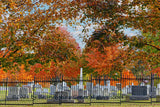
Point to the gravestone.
(152, 92)
(108, 85)
(29, 88)
(129, 89)
(24, 92)
(52, 89)
(80, 97)
(158, 89)
(59, 87)
(103, 94)
(60, 97)
(64, 83)
(13, 94)
(38, 91)
(124, 91)
(139, 93)
(89, 87)
(45, 91)
(66, 88)
(3, 88)
(74, 91)
(85, 93)
(113, 92)
(95, 92)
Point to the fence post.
(61, 92)
(6, 90)
(152, 85)
(91, 90)
(33, 92)
(120, 87)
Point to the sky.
(76, 33)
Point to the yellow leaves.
(1, 21)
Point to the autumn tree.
(115, 15)
(23, 25)
(29, 34)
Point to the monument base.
(24, 96)
(42, 97)
(135, 97)
(52, 101)
(102, 98)
(80, 99)
(13, 98)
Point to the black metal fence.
(105, 89)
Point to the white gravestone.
(45, 91)
(13, 93)
(38, 91)
(74, 91)
(52, 89)
(108, 85)
(24, 92)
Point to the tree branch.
(158, 48)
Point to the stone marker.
(152, 92)
(60, 97)
(52, 89)
(86, 94)
(89, 87)
(104, 95)
(74, 91)
(139, 93)
(80, 97)
(38, 91)
(29, 88)
(13, 94)
(24, 92)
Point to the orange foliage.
(156, 71)
(102, 62)
(127, 79)
(3, 75)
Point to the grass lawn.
(87, 105)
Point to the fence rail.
(76, 91)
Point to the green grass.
(87, 105)
(123, 104)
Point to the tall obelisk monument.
(81, 79)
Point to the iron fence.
(135, 89)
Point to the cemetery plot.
(79, 91)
